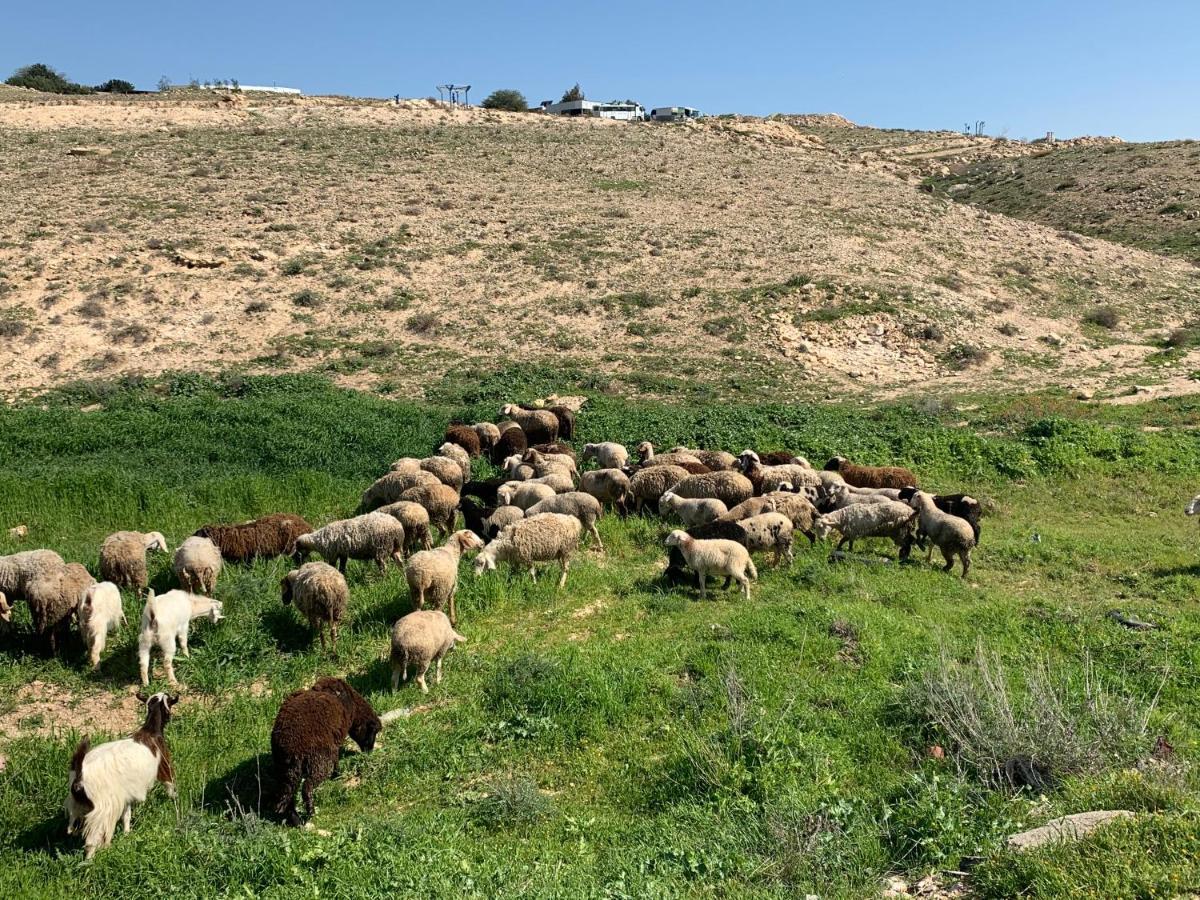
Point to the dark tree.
(116, 86)
(509, 100)
(41, 77)
(575, 93)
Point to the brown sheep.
(53, 599)
(556, 447)
(566, 422)
(440, 501)
(309, 731)
(540, 425)
(264, 538)
(465, 436)
(871, 476)
(512, 441)
(778, 458)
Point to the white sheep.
(515, 470)
(415, 519)
(460, 456)
(446, 470)
(373, 536)
(522, 494)
(440, 501)
(320, 594)
(608, 455)
(165, 621)
(717, 460)
(950, 534)
(549, 463)
(731, 488)
(691, 511)
(390, 487)
(863, 520)
(123, 557)
(648, 458)
(488, 433)
(197, 565)
(561, 482)
(99, 612)
(422, 637)
(433, 574)
(107, 780)
(584, 507)
(541, 538)
(769, 531)
(715, 557)
(20, 570)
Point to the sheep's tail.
(458, 638)
(753, 571)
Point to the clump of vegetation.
(1055, 728)
(965, 356)
(572, 94)
(1103, 316)
(40, 77)
(506, 99)
(116, 86)
(424, 323)
(510, 800)
(1183, 337)
(308, 299)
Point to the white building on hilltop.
(623, 110)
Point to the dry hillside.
(396, 246)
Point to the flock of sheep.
(537, 511)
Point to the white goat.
(99, 612)
(165, 620)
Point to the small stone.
(90, 151)
(1065, 828)
(18, 532)
(1085, 394)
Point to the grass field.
(619, 738)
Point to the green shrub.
(40, 77)
(1103, 316)
(506, 99)
(116, 86)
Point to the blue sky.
(1074, 67)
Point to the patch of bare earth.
(47, 710)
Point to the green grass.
(618, 738)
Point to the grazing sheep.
(840, 496)
(391, 487)
(780, 458)
(264, 538)
(415, 519)
(956, 505)
(99, 612)
(53, 598)
(374, 536)
(871, 476)
(541, 538)
(320, 594)
(561, 482)
(769, 531)
(309, 730)
(950, 534)
(446, 470)
(607, 486)
(715, 557)
(548, 463)
(540, 425)
(648, 485)
(584, 507)
(648, 458)
(418, 639)
(489, 521)
(440, 501)
(523, 494)
(516, 470)
(889, 519)
(433, 574)
(715, 460)
(767, 479)
(484, 489)
(566, 421)
(797, 507)
(20, 569)
(107, 780)
(197, 565)
(123, 557)
(608, 455)
(460, 456)
(731, 488)
(691, 511)
(558, 448)
(165, 620)
(488, 435)
(464, 436)
(410, 465)
(512, 440)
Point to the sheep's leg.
(596, 535)
(126, 816)
(144, 661)
(168, 651)
(421, 677)
(841, 542)
(965, 556)
(307, 793)
(438, 677)
(333, 630)
(341, 564)
(565, 562)
(285, 805)
(98, 641)
(453, 612)
(533, 573)
(321, 633)
(703, 583)
(183, 647)
(948, 555)
(396, 672)
(421, 597)
(745, 583)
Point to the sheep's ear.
(141, 697)
(149, 595)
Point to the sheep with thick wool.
(561, 482)
(123, 557)
(584, 507)
(440, 501)
(391, 487)
(165, 622)
(446, 470)
(488, 434)
(715, 557)
(540, 425)
(769, 531)
(511, 441)
(19, 570)
(432, 575)
(797, 507)
(648, 485)
(716, 460)
(731, 488)
(648, 458)
(523, 494)
(691, 511)
(266, 537)
(606, 485)
(320, 594)
(53, 599)
(544, 463)
(767, 479)
(460, 456)
(871, 476)
(889, 519)
(960, 505)
(953, 536)
(608, 454)
(489, 521)
(105, 781)
(415, 519)
(464, 436)
(197, 564)
(421, 638)
(308, 734)
(545, 537)
(99, 612)
(373, 536)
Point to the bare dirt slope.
(398, 245)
